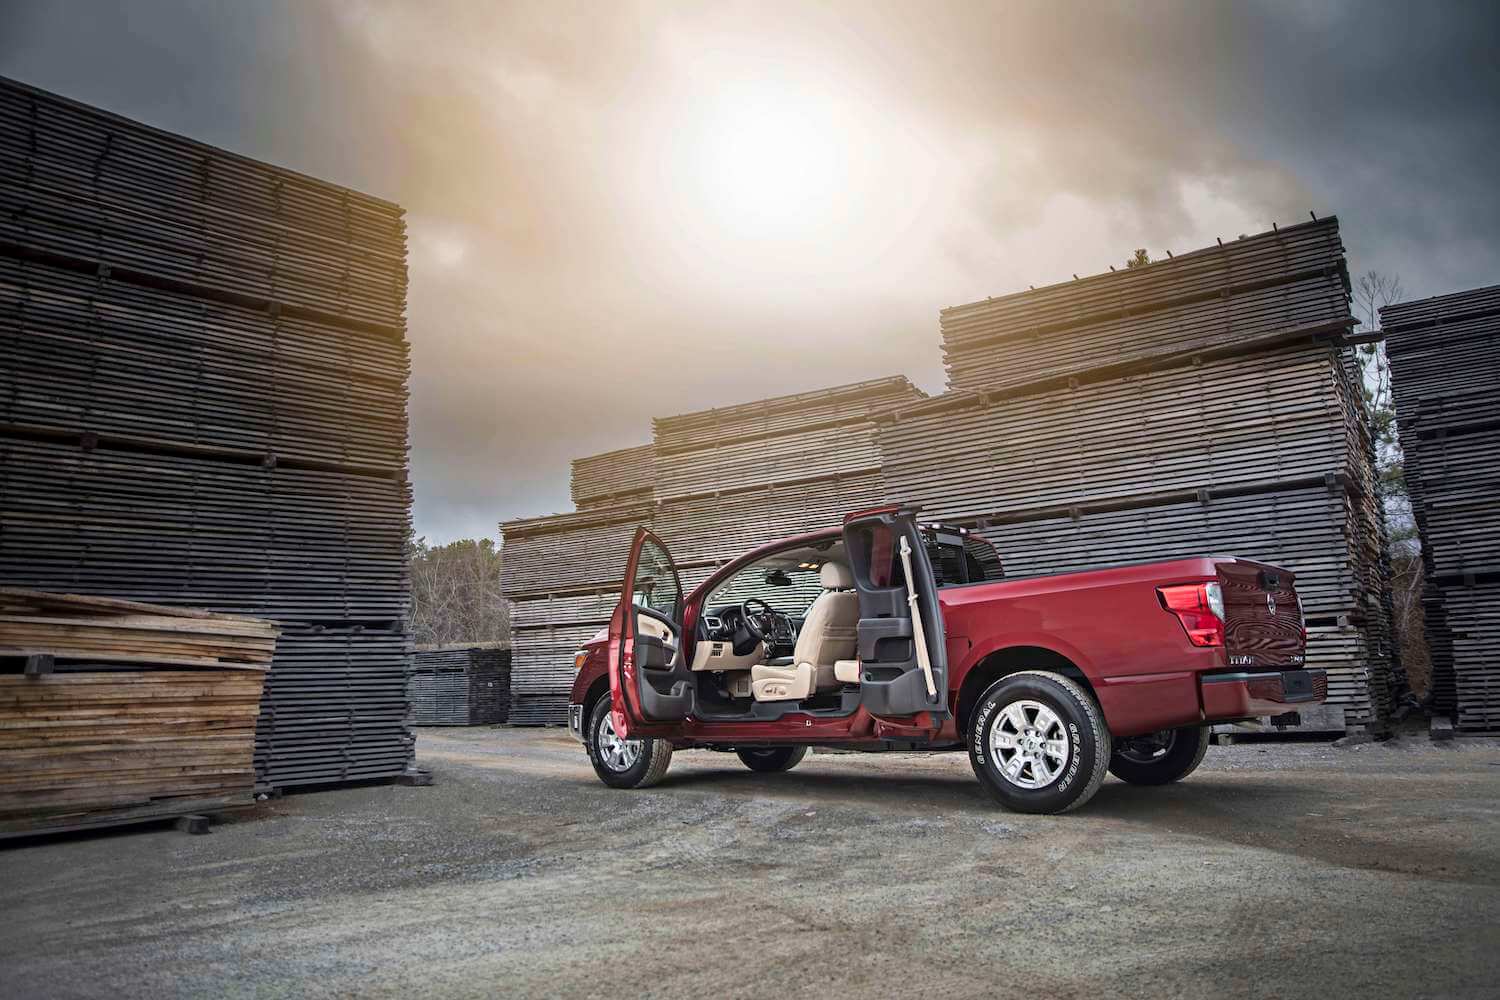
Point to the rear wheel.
(770, 759)
(622, 763)
(1159, 758)
(1038, 743)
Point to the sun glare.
(749, 161)
(770, 163)
(761, 160)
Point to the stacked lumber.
(468, 686)
(561, 574)
(90, 355)
(1445, 375)
(83, 184)
(114, 711)
(1278, 287)
(1202, 404)
(1221, 423)
(790, 463)
(614, 477)
(282, 542)
(204, 403)
(712, 484)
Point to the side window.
(984, 561)
(962, 558)
(656, 585)
(948, 563)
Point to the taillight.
(1200, 608)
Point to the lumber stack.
(731, 478)
(561, 574)
(712, 484)
(614, 477)
(1276, 287)
(1199, 404)
(467, 686)
(203, 402)
(114, 711)
(1445, 375)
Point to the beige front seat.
(828, 635)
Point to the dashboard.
(722, 624)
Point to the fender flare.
(1029, 653)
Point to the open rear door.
(649, 679)
(903, 663)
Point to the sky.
(629, 209)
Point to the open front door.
(649, 679)
(903, 663)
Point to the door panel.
(648, 678)
(896, 642)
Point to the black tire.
(770, 759)
(643, 769)
(1075, 718)
(1159, 758)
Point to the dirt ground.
(1276, 870)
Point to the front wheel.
(622, 763)
(771, 759)
(1038, 743)
(1159, 758)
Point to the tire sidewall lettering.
(1075, 759)
(980, 730)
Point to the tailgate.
(1262, 617)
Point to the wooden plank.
(81, 745)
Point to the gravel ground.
(1275, 870)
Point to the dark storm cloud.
(565, 168)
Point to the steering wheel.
(747, 618)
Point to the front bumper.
(575, 721)
(1247, 695)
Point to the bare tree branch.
(456, 592)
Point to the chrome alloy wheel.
(617, 754)
(1029, 744)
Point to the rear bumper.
(1272, 692)
(1145, 703)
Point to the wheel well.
(599, 689)
(1009, 661)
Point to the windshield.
(788, 589)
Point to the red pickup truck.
(886, 633)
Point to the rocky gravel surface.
(1282, 870)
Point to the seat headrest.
(836, 576)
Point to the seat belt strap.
(919, 632)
